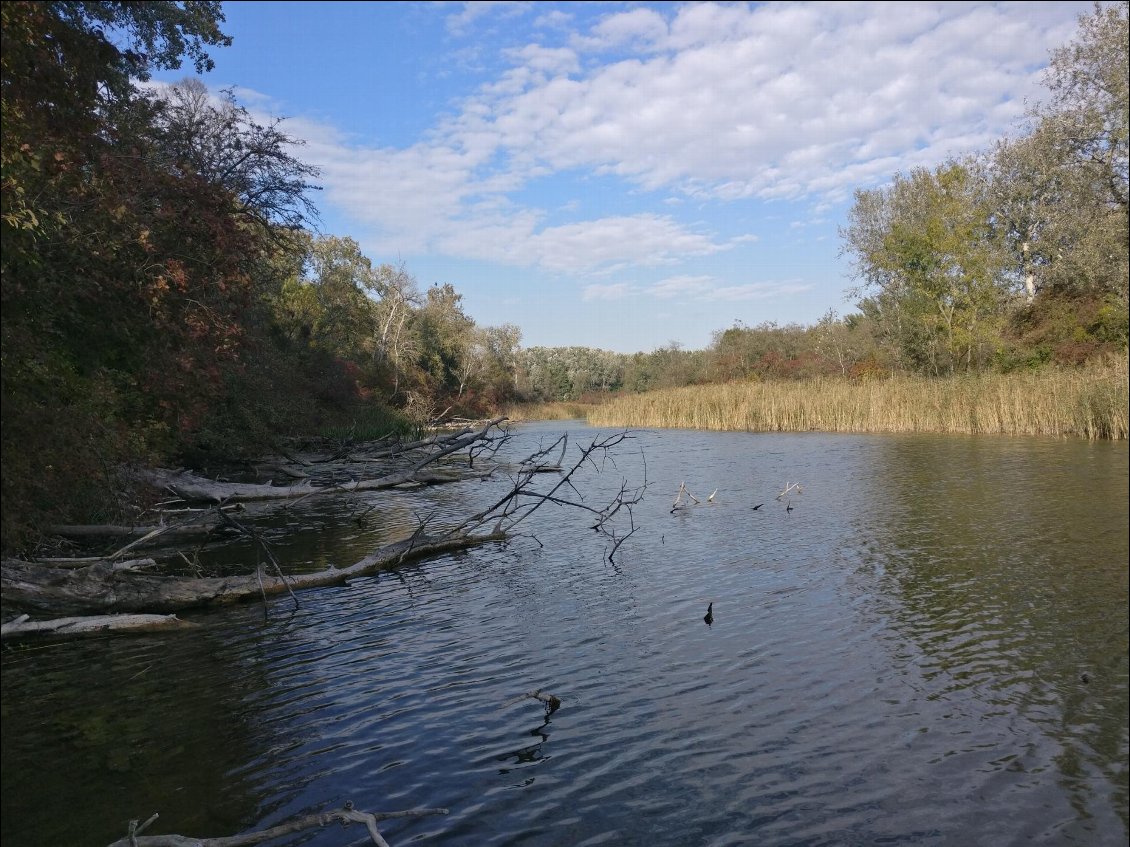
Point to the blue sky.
(624, 175)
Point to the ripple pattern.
(900, 659)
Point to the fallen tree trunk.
(90, 625)
(196, 489)
(86, 561)
(80, 531)
(106, 589)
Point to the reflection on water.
(98, 731)
(1002, 563)
(929, 648)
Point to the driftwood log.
(91, 531)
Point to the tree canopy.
(1019, 255)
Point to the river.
(927, 645)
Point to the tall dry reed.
(1090, 402)
(557, 411)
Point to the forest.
(168, 296)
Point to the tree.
(340, 279)
(924, 247)
(500, 346)
(216, 140)
(89, 289)
(844, 343)
(134, 290)
(445, 334)
(397, 342)
(1060, 189)
(1089, 110)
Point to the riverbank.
(1090, 402)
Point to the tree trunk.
(90, 625)
(104, 589)
(196, 489)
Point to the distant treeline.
(166, 295)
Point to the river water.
(929, 647)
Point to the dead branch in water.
(790, 486)
(552, 703)
(261, 544)
(692, 500)
(106, 587)
(345, 815)
(196, 489)
(522, 500)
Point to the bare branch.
(345, 815)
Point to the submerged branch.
(345, 815)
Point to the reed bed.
(1090, 402)
(559, 411)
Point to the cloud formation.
(691, 288)
(782, 100)
(708, 103)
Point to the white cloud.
(601, 245)
(458, 24)
(641, 28)
(708, 102)
(681, 286)
(551, 61)
(780, 100)
(759, 290)
(706, 288)
(553, 19)
(615, 291)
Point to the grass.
(368, 423)
(1089, 402)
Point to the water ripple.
(899, 660)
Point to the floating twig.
(789, 486)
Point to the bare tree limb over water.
(106, 587)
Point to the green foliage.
(548, 374)
(135, 285)
(1001, 261)
(1061, 188)
(157, 34)
(444, 333)
(1065, 327)
(924, 246)
(369, 422)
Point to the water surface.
(929, 648)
